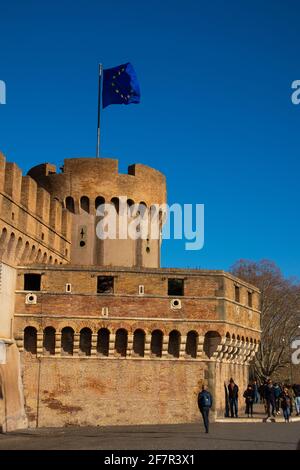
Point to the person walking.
(233, 394)
(204, 404)
(277, 393)
(249, 396)
(286, 404)
(296, 390)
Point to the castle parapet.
(33, 225)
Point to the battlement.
(99, 177)
(31, 220)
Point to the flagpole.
(99, 109)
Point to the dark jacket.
(277, 391)
(286, 402)
(233, 392)
(249, 395)
(204, 400)
(270, 393)
(296, 389)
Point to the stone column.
(182, 347)
(164, 350)
(76, 344)
(20, 342)
(129, 345)
(57, 344)
(39, 344)
(111, 349)
(147, 350)
(200, 347)
(94, 345)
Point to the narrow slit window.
(250, 299)
(237, 293)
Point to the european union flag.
(120, 86)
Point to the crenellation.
(29, 193)
(13, 181)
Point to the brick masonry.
(124, 357)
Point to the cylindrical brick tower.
(83, 184)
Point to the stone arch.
(139, 337)
(142, 208)
(85, 204)
(122, 325)
(85, 342)
(99, 201)
(212, 339)
(11, 243)
(49, 341)
(19, 248)
(3, 236)
(30, 339)
(25, 253)
(32, 256)
(70, 205)
(50, 261)
(67, 341)
(116, 203)
(103, 342)
(192, 339)
(156, 343)
(121, 342)
(39, 256)
(174, 343)
(3, 240)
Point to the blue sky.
(216, 115)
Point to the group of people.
(280, 396)
(275, 397)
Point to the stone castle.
(95, 332)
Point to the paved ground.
(277, 436)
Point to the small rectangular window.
(104, 311)
(175, 287)
(141, 290)
(32, 282)
(237, 293)
(250, 299)
(68, 287)
(105, 285)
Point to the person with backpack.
(204, 404)
(286, 404)
(249, 395)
